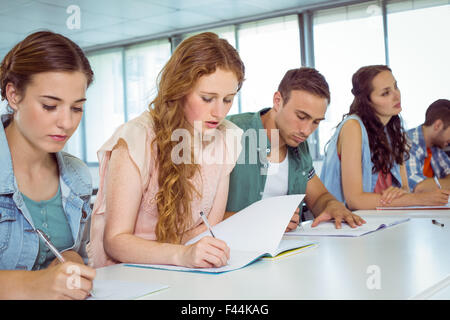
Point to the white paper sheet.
(122, 290)
(328, 228)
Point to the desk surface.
(410, 260)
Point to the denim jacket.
(19, 244)
(331, 169)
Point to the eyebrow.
(59, 99)
(216, 94)
(387, 88)
(308, 115)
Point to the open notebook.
(328, 228)
(251, 233)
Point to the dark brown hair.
(383, 153)
(438, 110)
(307, 79)
(41, 51)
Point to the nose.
(306, 128)
(64, 119)
(397, 94)
(219, 110)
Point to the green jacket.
(248, 178)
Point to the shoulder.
(351, 127)
(228, 127)
(75, 172)
(242, 120)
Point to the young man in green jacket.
(275, 158)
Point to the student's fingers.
(291, 226)
(221, 245)
(293, 223)
(84, 271)
(214, 256)
(215, 247)
(360, 221)
(338, 223)
(76, 294)
(354, 220)
(391, 193)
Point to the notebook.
(251, 233)
(328, 228)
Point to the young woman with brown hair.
(365, 159)
(44, 80)
(148, 202)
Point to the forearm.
(427, 185)
(12, 284)
(132, 249)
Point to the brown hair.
(307, 79)
(438, 110)
(196, 56)
(41, 51)
(383, 153)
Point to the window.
(418, 53)
(345, 39)
(268, 49)
(105, 101)
(143, 63)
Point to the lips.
(211, 124)
(398, 105)
(298, 139)
(58, 138)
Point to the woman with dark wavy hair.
(365, 159)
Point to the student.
(427, 157)
(149, 203)
(365, 159)
(44, 80)
(282, 163)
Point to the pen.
(437, 182)
(437, 223)
(52, 248)
(206, 223)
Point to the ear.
(12, 95)
(438, 125)
(277, 101)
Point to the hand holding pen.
(66, 280)
(208, 252)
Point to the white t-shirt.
(277, 179)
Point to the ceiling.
(109, 22)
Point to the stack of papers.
(328, 228)
(251, 233)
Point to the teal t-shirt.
(49, 216)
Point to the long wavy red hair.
(195, 57)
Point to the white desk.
(412, 259)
